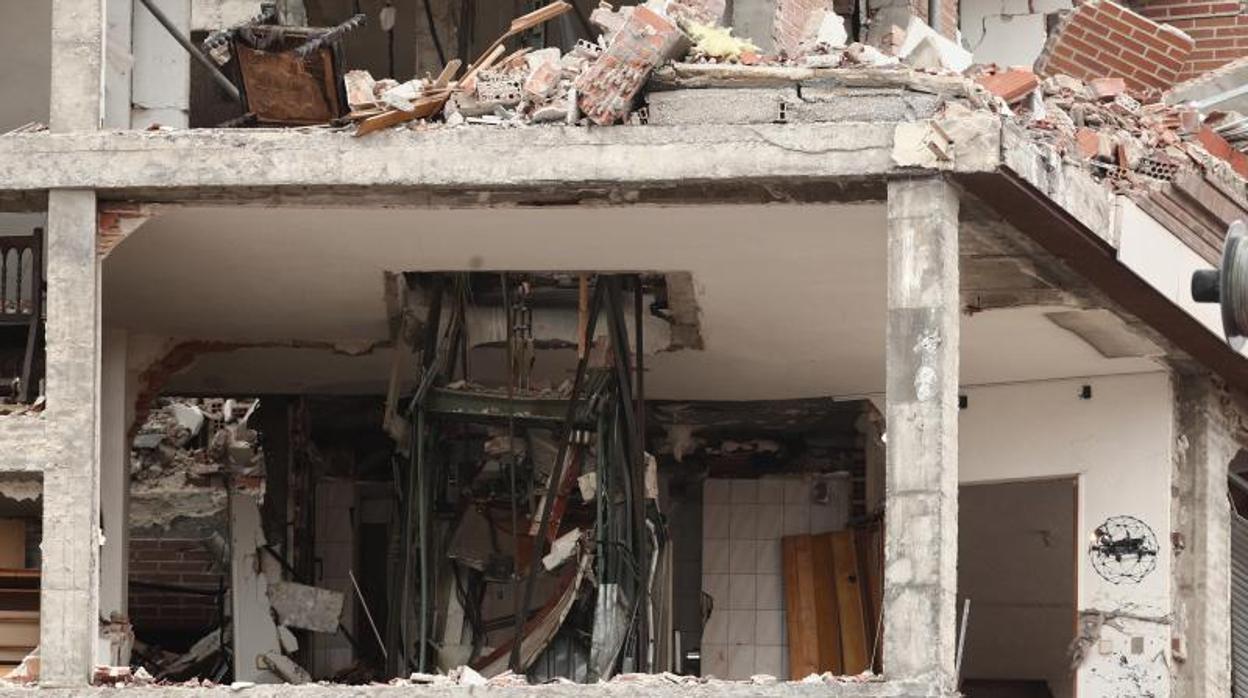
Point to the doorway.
(1016, 565)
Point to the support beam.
(71, 494)
(921, 483)
(114, 476)
(1201, 517)
(161, 84)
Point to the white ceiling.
(792, 297)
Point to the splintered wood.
(825, 606)
(440, 89)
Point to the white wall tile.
(796, 520)
(716, 585)
(770, 521)
(745, 491)
(741, 627)
(744, 522)
(716, 521)
(796, 491)
(770, 557)
(716, 491)
(771, 661)
(744, 556)
(715, 660)
(771, 490)
(740, 662)
(741, 591)
(769, 592)
(716, 557)
(715, 631)
(770, 626)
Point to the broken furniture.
(286, 75)
(21, 306)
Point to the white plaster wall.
(25, 38)
(1147, 248)
(1007, 32)
(1118, 445)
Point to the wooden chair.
(21, 300)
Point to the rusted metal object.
(282, 88)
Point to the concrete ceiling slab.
(791, 296)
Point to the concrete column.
(77, 65)
(71, 495)
(921, 482)
(161, 79)
(1201, 517)
(114, 476)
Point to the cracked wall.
(1118, 444)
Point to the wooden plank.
(854, 650)
(827, 612)
(424, 108)
(12, 543)
(799, 607)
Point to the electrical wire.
(433, 32)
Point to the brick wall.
(183, 562)
(1220, 30)
(1100, 38)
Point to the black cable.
(433, 31)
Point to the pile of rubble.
(598, 82)
(181, 452)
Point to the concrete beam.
(1201, 516)
(25, 444)
(71, 494)
(467, 158)
(921, 395)
(631, 688)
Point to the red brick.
(1010, 85)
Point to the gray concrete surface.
(921, 481)
(1201, 515)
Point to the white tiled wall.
(743, 522)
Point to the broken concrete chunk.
(832, 32)
(924, 47)
(865, 54)
(588, 484)
(401, 96)
(284, 667)
(360, 84)
(188, 417)
(562, 550)
(287, 639)
(306, 607)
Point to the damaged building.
(764, 347)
